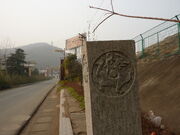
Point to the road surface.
(17, 105)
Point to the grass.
(61, 85)
(72, 92)
(79, 98)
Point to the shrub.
(72, 92)
(79, 98)
(4, 81)
(8, 81)
(73, 68)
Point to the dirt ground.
(77, 86)
(159, 83)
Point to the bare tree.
(112, 12)
(5, 46)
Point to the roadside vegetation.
(72, 89)
(16, 73)
(9, 81)
(73, 79)
(73, 68)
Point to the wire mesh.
(161, 40)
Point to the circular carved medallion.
(113, 74)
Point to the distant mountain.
(42, 54)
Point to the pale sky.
(29, 21)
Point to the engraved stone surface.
(110, 87)
(113, 74)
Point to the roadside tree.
(73, 68)
(15, 63)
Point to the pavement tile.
(40, 127)
(53, 97)
(7, 132)
(39, 133)
(10, 127)
(44, 119)
(45, 114)
(50, 102)
(48, 110)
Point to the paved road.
(16, 105)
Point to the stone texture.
(110, 84)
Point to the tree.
(35, 71)
(15, 63)
(112, 12)
(74, 67)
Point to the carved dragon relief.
(113, 74)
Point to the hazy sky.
(29, 21)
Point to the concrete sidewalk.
(76, 115)
(46, 119)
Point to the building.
(30, 67)
(74, 45)
(44, 72)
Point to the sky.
(24, 22)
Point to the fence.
(161, 40)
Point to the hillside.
(42, 54)
(159, 83)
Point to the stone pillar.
(111, 90)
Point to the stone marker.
(110, 85)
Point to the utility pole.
(88, 33)
(82, 37)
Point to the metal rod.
(142, 45)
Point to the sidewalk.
(76, 115)
(46, 119)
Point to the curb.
(65, 127)
(34, 112)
